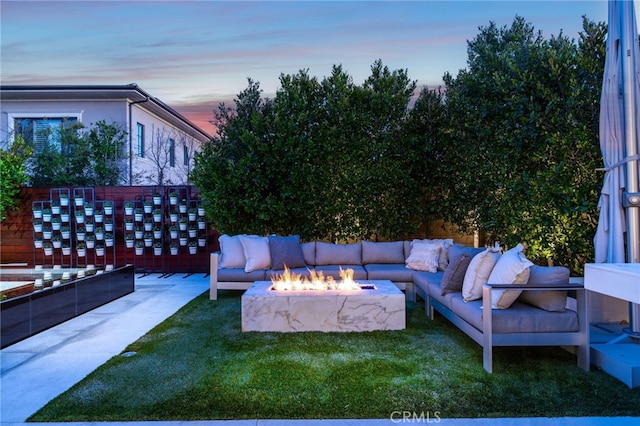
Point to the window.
(172, 153)
(40, 132)
(140, 145)
(186, 156)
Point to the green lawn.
(199, 365)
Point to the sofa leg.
(213, 276)
(583, 350)
(428, 308)
(487, 358)
(410, 292)
(583, 353)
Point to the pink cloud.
(200, 112)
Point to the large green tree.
(325, 159)
(519, 159)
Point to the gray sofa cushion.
(429, 283)
(383, 252)
(549, 300)
(435, 291)
(389, 271)
(286, 251)
(239, 275)
(309, 252)
(519, 318)
(423, 279)
(338, 254)
(334, 271)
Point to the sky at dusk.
(194, 54)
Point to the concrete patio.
(37, 369)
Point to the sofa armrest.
(577, 287)
(213, 275)
(545, 286)
(581, 307)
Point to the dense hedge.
(325, 159)
(508, 148)
(522, 146)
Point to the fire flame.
(289, 281)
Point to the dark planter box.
(26, 315)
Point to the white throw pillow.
(443, 257)
(424, 256)
(256, 251)
(512, 268)
(231, 252)
(478, 272)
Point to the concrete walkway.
(37, 369)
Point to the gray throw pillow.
(286, 251)
(453, 276)
(549, 300)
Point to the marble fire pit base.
(382, 308)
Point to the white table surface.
(619, 280)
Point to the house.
(159, 138)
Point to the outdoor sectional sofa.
(542, 306)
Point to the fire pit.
(335, 306)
